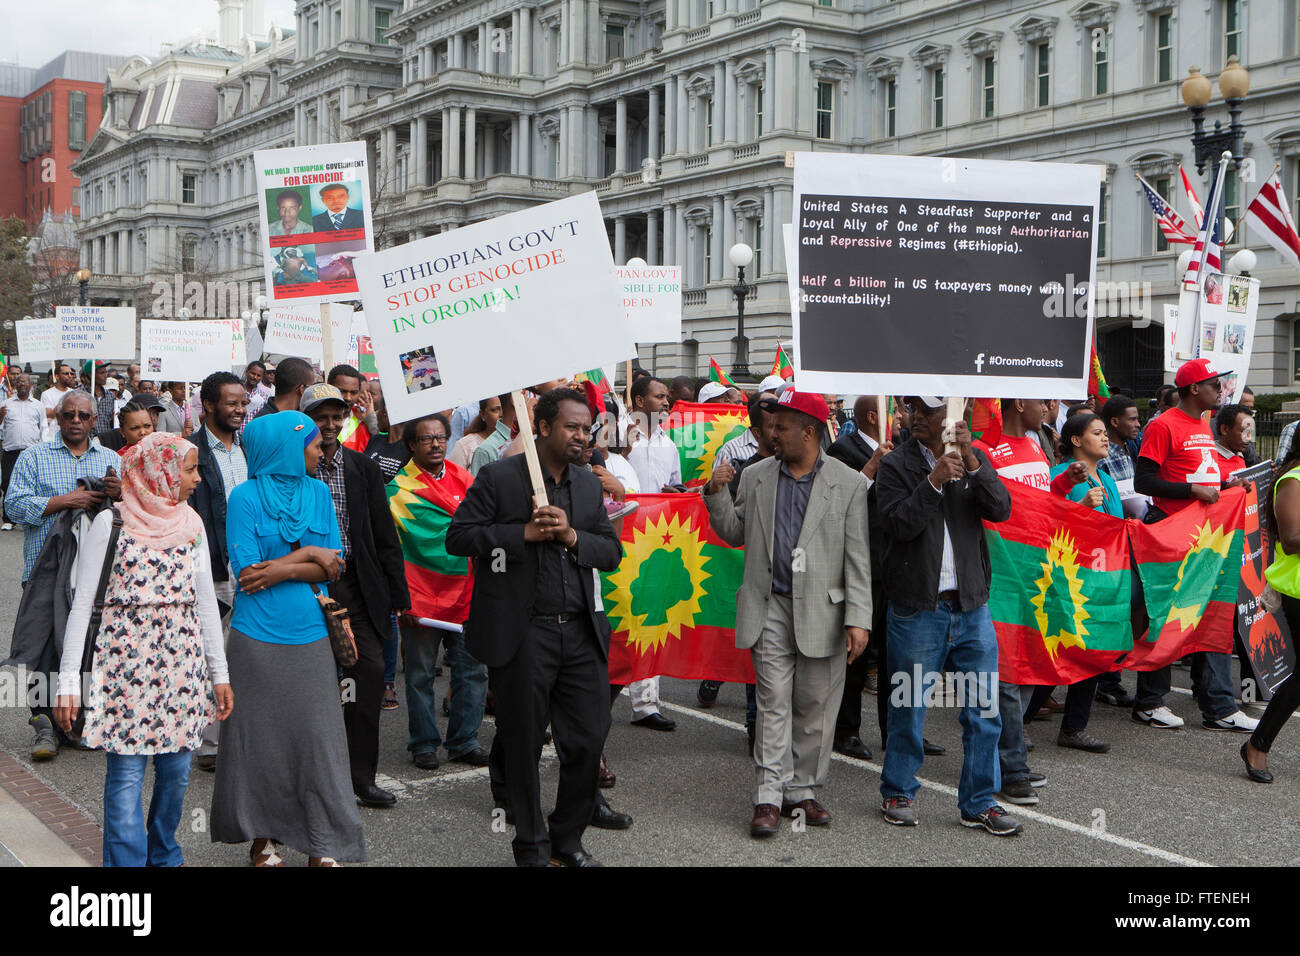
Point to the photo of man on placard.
(284, 208)
(337, 212)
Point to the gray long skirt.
(282, 766)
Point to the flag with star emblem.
(1059, 596)
(1190, 566)
(671, 603)
(422, 507)
(699, 431)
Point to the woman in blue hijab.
(282, 769)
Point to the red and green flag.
(439, 582)
(699, 431)
(596, 377)
(1096, 380)
(366, 357)
(354, 434)
(671, 603)
(716, 374)
(986, 420)
(1190, 566)
(1060, 590)
(782, 364)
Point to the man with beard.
(372, 585)
(223, 468)
(535, 625)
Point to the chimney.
(228, 34)
(254, 20)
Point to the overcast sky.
(36, 32)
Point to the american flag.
(1209, 241)
(1269, 214)
(1170, 223)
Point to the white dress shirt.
(24, 423)
(656, 461)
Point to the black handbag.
(96, 617)
(338, 624)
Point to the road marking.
(1067, 825)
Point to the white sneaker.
(1162, 718)
(1234, 721)
(7, 526)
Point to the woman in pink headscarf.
(158, 645)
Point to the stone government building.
(679, 113)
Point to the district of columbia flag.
(1270, 216)
(1172, 225)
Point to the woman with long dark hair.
(283, 773)
(157, 646)
(1283, 575)
(489, 413)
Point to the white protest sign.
(38, 340)
(93, 331)
(314, 204)
(185, 351)
(494, 306)
(926, 275)
(295, 329)
(652, 298)
(1229, 304)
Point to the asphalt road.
(1158, 798)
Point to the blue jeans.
(390, 654)
(923, 644)
(128, 839)
(468, 692)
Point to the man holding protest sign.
(533, 621)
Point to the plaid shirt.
(41, 473)
(231, 463)
(105, 412)
(330, 471)
(1285, 441)
(1118, 464)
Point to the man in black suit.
(338, 214)
(533, 622)
(372, 585)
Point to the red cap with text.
(1194, 372)
(810, 403)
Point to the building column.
(514, 42)
(670, 116)
(620, 240)
(683, 116)
(562, 146)
(684, 18)
(458, 51)
(526, 41)
(389, 160)
(652, 149)
(525, 147)
(681, 248)
(482, 64)
(578, 44)
(782, 89)
(718, 98)
(591, 138)
(772, 235)
(730, 113)
(783, 202)
(716, 252)
(728, 223)
(446, 143)
(453, 134)
(670, 234)
(471, 140)
(422, 152)
(620, 134)
(652, 238)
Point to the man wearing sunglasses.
(43, 487)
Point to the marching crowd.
(232, 576)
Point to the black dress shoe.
(852, 747)
(656, 722)
(372, 795)
(932, 750)
(475, 758)
(207, 762)
(1254, 773)
(606, 817)
(425, 761)
(576, 858)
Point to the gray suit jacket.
(833, 591)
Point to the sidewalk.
(38, 827)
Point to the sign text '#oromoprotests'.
(889, 263)
(441, 283)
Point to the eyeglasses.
(76, 416)
(430, 440)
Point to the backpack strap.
(97, 612)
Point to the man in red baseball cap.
(1176, 466)
(804, 606)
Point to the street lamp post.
(1234, 84)
(741, 255)
(83, 285)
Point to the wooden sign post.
(882, 416)
(956, 410)
(530, 450)
(326, 338)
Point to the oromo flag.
(1059, 595)
(671, 603)
(699, 431)
(439, 582)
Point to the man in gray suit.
(804, 605)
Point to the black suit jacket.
(352, 219)
(490, 523)
(209, 500)
(852, 450)
(376, 552)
